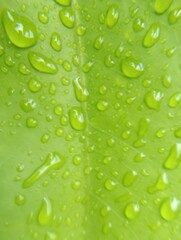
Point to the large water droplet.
(34, 85)
(132, 210)
(45, 213)
(27, 104)
(153, 99)
(174, 157)
(64, 2)
(20, 30)
(138, 24)
(56, 42)
(53, 161)
(81, 92)
(129, 178)
(169, 208)
(175, 100)
(161, 6)
(112, 16)
(174, 16)
(67, 17)
(151, 36)
(77, 119)
(42, 63)
(132, 68)
(161, 184)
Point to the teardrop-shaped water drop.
(174, 157)
(45, 213)
(67, 17)
(161, 6)
(169, 208)
(153, 99)
(151, 36)
(132, 68)
(77, 118)
(112, 16)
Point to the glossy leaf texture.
(90, 120)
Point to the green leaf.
(90, 119)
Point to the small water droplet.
(27, 105)
(161, 6)
(174, 157)
(177, 133)
(77, 160)
(42, 63)
(50, 236)
(160, 133)
(174, 16)
(1, 48)
(140, 157)
(109, 61)
(102, 105)
(87, 66)
(132, 68)
(24, 69)
(67, 66)
(20, 30)
(169, 208)
(77, 119)
(31, 122)
(76, 185)
(170, 51)
(175, 100)
(56, 41)
(34, 85)
(81, 29)
(52, 88)
(167, 80)
(45, 138)
(64, 2)
(20, 199)
(109, 184)
(67, 17)
(43, 17)
(105, 210)
(112, 16)
(132, 210)
(98, 42)
(58, 110)
(9, 61)
(138, 24)
(59, 132)
(129, 178)
(45, 213)
(81, 92)
(153, 99)
(107, 227)
(152, 35)
(161, 183)
(53, 161)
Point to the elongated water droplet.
(1, 48)
(132, 68)
(20, 30)
(161, 6)
(151, 36)
(67, 17)
(112, 16)
(153, 99)
(129, 178)
(45, 213)
(77, 119)
(138, 24)
(132, 210)
(174, 16)
(64, 2)
(56, 42)
(174, 157)
(42, 63)
(169, 208)
(167, 80)
(175, 100)
(161, 184)
(98, 42)
(81, 92)
(53, 161)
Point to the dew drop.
(56, 42)
(140, 157)
(50, 236)
(76, 185)
(87, 66)
(98, 42)
(31, 122)
(138, 24)
(27, 105)
(161, 183)
(177, 133)
(53, 161)
(151, 36)
(129, 178)
(102, 105)
(9, 61)
(59, 132)
(153, 99)
(1, 48)
(34, 85)
(175, 100)
(105, 210)
(20, 30)
(167, 80)
(77, 119)
(24, 69)
(112, 16)
(52, 88)
(169, 208)
(109, 61)
(81, 29)
(132, 68)
(107, 227)
(67, 17)
(174, 157)
(161, 6)
(81, 92)
(43, 17)
(109, 184)
(45, 213)
(45, 138)
(65, 3)
(77, 160)
(174, 16)
(42, 63)
(132, 210)
(20, 199)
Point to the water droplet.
(109, 184)
(87, 66)
(20, 199)
(64, 120)
(45, 213)
(1, 48)
(174, 100)
(112, 16)
(9, 61)
(132, 210)
(98, 42)
(77, 119)
(132, 68)
(105, 210)
(109, 61)
(50, 236)
(53, 161)
(43, 17)
(42, 63)
(107, 160)
(161, 132)
(20, 30)
(153, 99)
(77, 160)
(27, 105)
(161, 6)
(138, 24)
(129, 178)
(151, 36)
(45, 138)
(34, 85)
(174, 157)
(67, 66)
(31, 122)
(167, 80)
(24, 69)
(76, 60)
(107, 227)
(161, 183)
(169, 208)
(64, 2)
(52, 88)
(81, 29)
(67, 17)
(76, 185)
(174, 16)
(56, 42)
(177, 133)
(102, 105)
(171, 51)
(59, 132)
(81, 92)
(140, 157)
